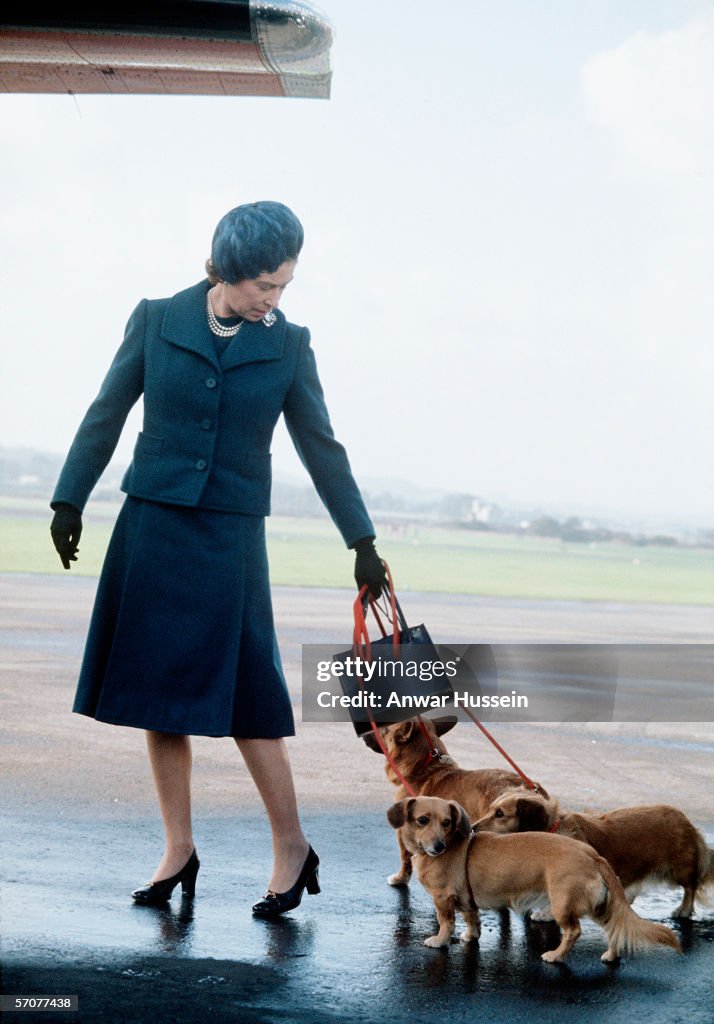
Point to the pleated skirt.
(181, 638)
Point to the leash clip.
(433, 755)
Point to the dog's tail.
(625, 930)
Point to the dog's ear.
(444, 724)
(398, 813)
(404, 731)
(460, 822)
(532, 815)
(371, 741)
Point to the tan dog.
(656, 843)
(430, 771)
(465, 871)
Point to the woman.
(181, 640)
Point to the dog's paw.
(399, 879)
(434, 942)
(469, 936)
(609, 957)
(551, 957)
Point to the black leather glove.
(369, 567)
(66, 529)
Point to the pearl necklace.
(218, 329)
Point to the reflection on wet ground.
(353, 953)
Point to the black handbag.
(398, 676)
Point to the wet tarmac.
(80, 831)
(354, 953)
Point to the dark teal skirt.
(181, 638)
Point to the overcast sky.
(508, 275)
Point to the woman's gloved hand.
(66, 529)
(369, 567)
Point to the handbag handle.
(361, 644)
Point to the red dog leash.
(362, 647)
(529, 782)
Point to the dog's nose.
(439, 847)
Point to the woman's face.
(256, 296)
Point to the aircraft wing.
(196, 47)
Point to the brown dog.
(430, 771)
(656, 843)
(464, 871)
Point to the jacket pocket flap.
(147, 444)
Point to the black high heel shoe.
(160, 892)
(275, 903)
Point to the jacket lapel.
(185, 325)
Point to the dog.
(431, 771)
(465, 871)
(654, 843)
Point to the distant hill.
(28, 473)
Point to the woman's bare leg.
(268, 763)
(171, 758)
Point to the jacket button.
(211, 382)
(201, 464)
(206, 424)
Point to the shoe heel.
(313, 883)
(188, 883)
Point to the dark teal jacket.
(209, 420)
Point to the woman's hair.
(253, 239)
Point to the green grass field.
(309, 552)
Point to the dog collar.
(555, 826)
